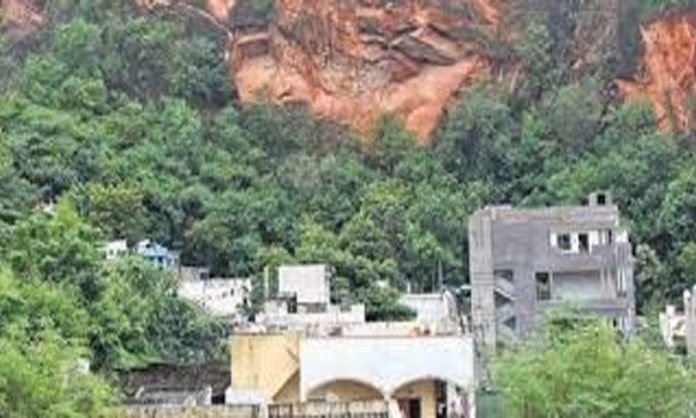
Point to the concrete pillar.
(471, 400)
(482, 280)
(690, 319)
(666, 320)
(393, 410)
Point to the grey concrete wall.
(578, 285)
(481, 274)
(524, 242)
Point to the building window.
(601, 199)
(564, 242)
(606, 236)
(543, 286)
(511, 323)
(584, 243)
(292, 305)
(621, 283)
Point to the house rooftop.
(560, 214)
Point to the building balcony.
(599, 305)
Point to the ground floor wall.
(264, 363)
(290, 392)
(186, 412)
(345, 391)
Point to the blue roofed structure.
(157, 254)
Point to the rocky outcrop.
(19, 17)
(353, 60)
(668, 75)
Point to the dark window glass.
(543, 286)
(584, 241)
(564, 242)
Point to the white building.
(309, 284)
(114, 249)
(276, 316)
(432, 308)
(680, 326)
(304, 302)
(219, 297)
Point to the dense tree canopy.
(587, 371)
(128, 120)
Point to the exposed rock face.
(19, 17)
(220, 9)
(352, 60)
(669, 74)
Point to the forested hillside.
(128, 119)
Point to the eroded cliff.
(19, 17)
(352, 60)
(668, 74)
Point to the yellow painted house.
(268, 365)
(427, 376)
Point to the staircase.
(505, 302)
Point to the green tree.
(29, 308)
(44, 379)
(574, 114)
(201, 74)
(117, 211)
(586, 370)
(391, 144)
(677, 215)
(44, 333)
(59, 247)
(474, 135)
(154, 326)
(542, 71)
(651, 278)
(383, 305)
(686, 263)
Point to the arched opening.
(345, 390)
(432, 397)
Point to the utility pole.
(266, 285)
(440, 278)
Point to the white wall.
(220, 297)
(115, 249)
(310, 283)
(386, 363)
(432, 308)
(276, 315)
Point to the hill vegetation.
(129, 122)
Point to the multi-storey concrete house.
(524, 261)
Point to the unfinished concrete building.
(524, 261)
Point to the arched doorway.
(432, 397)
(345, 390)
